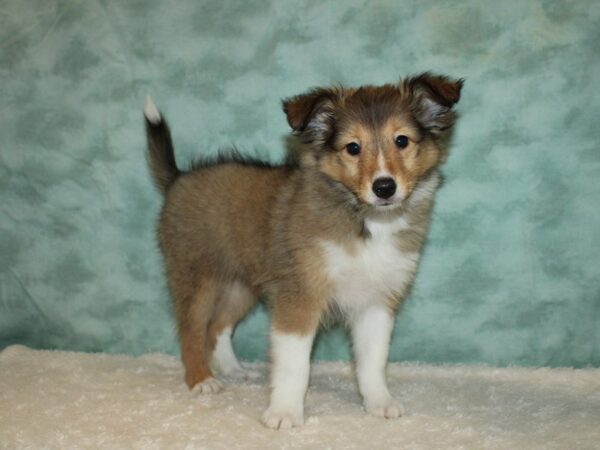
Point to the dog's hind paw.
(209, 386)
(242, 373)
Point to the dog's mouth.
(387, 205)
(379, 204)
(384, 204)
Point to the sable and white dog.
(337, 232)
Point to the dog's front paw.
(388, 408)
(281, 420)
(209, 386)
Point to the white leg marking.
(225, 361)
(371, 333)
(223, 355)
(151, 111)
(289, 379)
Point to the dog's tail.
(161, 156)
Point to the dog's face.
(377, 142)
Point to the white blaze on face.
(381, 166)
(383, 172)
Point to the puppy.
(337, 232)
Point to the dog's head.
(377, 141)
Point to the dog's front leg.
(371, 332)
(290, 367)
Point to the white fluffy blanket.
(56, 399)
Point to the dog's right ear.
(312, 115)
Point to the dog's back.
(216, 219)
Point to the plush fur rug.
(55, 399)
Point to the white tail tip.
(151, 111)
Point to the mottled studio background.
(511, 272)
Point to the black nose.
(384, 187)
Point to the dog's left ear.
(312, 115)
(433, 97)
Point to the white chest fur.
(374, 271)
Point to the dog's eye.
(401, 141)
(353, 148)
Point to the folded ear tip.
(447, 89)
(434, 96)
(293, 107)
(310, 110)
(285, 103)
(459, 83)
(454, 96)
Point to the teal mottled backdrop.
(512, 268)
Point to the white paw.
(281, 420)
(387, 409)
(243, 374)
(209, 386)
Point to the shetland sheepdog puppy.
(338, 231)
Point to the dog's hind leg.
(194, 310)
(233, 304)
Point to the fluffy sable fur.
(338, 231)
